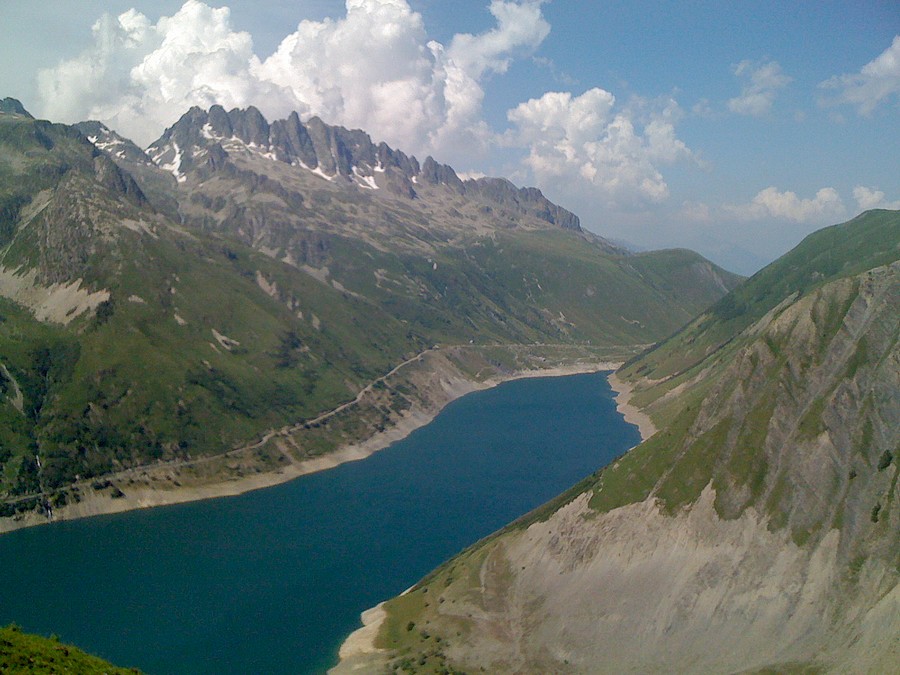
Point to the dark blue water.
(272, 581)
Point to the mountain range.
(211, 314)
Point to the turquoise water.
(273, 580)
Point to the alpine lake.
(272, 581)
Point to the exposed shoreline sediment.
(631, 413)
(140, 497)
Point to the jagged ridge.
(199, 139)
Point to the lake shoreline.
(359, 648)
(632, 414)
(142, 497)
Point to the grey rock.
(323, 145)
(291, 141)
(339, 152)
(219, 122)
(529, 201)
(250, 126)
(441, 174)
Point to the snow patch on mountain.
(367, 182)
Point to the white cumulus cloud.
(872, 198)
(773, 203)
(374, 68)
(138, 77)
(518, 26)
(877, 81)
(762, 81)
(586, 140)
(371, 69)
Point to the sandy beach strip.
(360, 644)
(631, 413)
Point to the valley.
(757, 530)
(178, 329)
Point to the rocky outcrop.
(530, 201)
(112, 144)
(250, 126)
(114, 179)
(200, 140)
(292, 142)
(441, 174)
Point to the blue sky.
(731, 128)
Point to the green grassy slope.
(844, 250)
(146, 378)
(22, 653)
(798, 359)
(550, 285)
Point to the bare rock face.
(200, 142)
(529, 201)
(408, 166)
(220, 122)
(292, 142)
(636, 590)
(324, 145)
(250, 126)
(112, 144)
(441, 174)
(110, 176)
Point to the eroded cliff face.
(758, 529)
(815, 395)
(638, 590)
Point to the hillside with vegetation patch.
(23, 653)
(756, 531)
(242, 300)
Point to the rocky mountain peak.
(250, 126)
(114, 145)
(526, 200)
(348, 156)
(440, 174)
(291, 142)
(219, 122)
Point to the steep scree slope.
(758, 529)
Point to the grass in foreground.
(24, 653)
